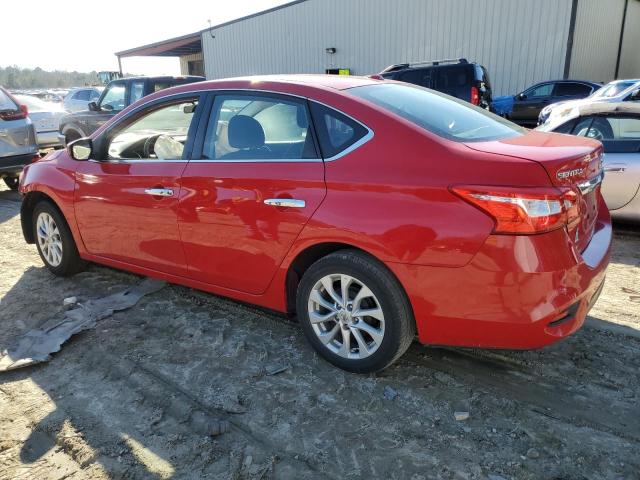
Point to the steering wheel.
(149, 144)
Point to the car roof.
(280, 83)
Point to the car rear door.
(255, 180)
(127, 195)
(620, 136)
(527, 105)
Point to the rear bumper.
(15, 163)
(519, 292)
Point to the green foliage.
(15, 77)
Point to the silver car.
(17, 139)
(45, 117)
(78, 99)
(617, 126)
(613, 92)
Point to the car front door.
(127, 195)
(527, 105)
(254, 183)
(620, 136)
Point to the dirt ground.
(138, 396)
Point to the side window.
(157, 86)
(258, 128)
(571, 89)
(95, 95)
(452, 77)
(137, 91)
(113, 100)
(540, 91)
(336, 131)
(82, 95)
(420, 76)
(159, 134)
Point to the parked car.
(116, 97)
(613, 92)
(617, 126)
(459, 78)
(524, 108)
(18, 145)
(45, 117)
(287, 192)
(78, 99)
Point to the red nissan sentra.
(374, 210)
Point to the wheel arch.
(312, 253)
(29, 202)
(72, 127)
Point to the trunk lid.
(571, 162)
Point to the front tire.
(54, 241)
(354, 312)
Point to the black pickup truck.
(118, 95)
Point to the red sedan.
(374, 210)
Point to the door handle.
(285, 202)
(159, 192)
(615, 169)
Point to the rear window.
(438, 113)
(452, 77)
(336, 131)
(6, 103)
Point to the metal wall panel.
(630, 58)
(596, 39)
(519, 41)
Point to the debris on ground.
(461, 416)
(276, 369)
(390, 393)
(37, 345)
(70, 301)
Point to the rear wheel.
(12, 182)
(354, 312)
(54, 241)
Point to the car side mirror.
(93, 106)
(521, 96)
(81, 149)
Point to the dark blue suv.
(459, 78)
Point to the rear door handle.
(159, 192)
(285, 202)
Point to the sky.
(83, 35)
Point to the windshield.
(438, 113)
(612, 89)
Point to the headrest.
(245, 132)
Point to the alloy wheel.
(49, 239)
(346, 316)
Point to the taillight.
(19, 114)
(524, 210)
(475, 96)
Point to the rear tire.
(54, 241)
(12, 182)
(331, 294)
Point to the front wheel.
(354, 312)
(54, 241)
